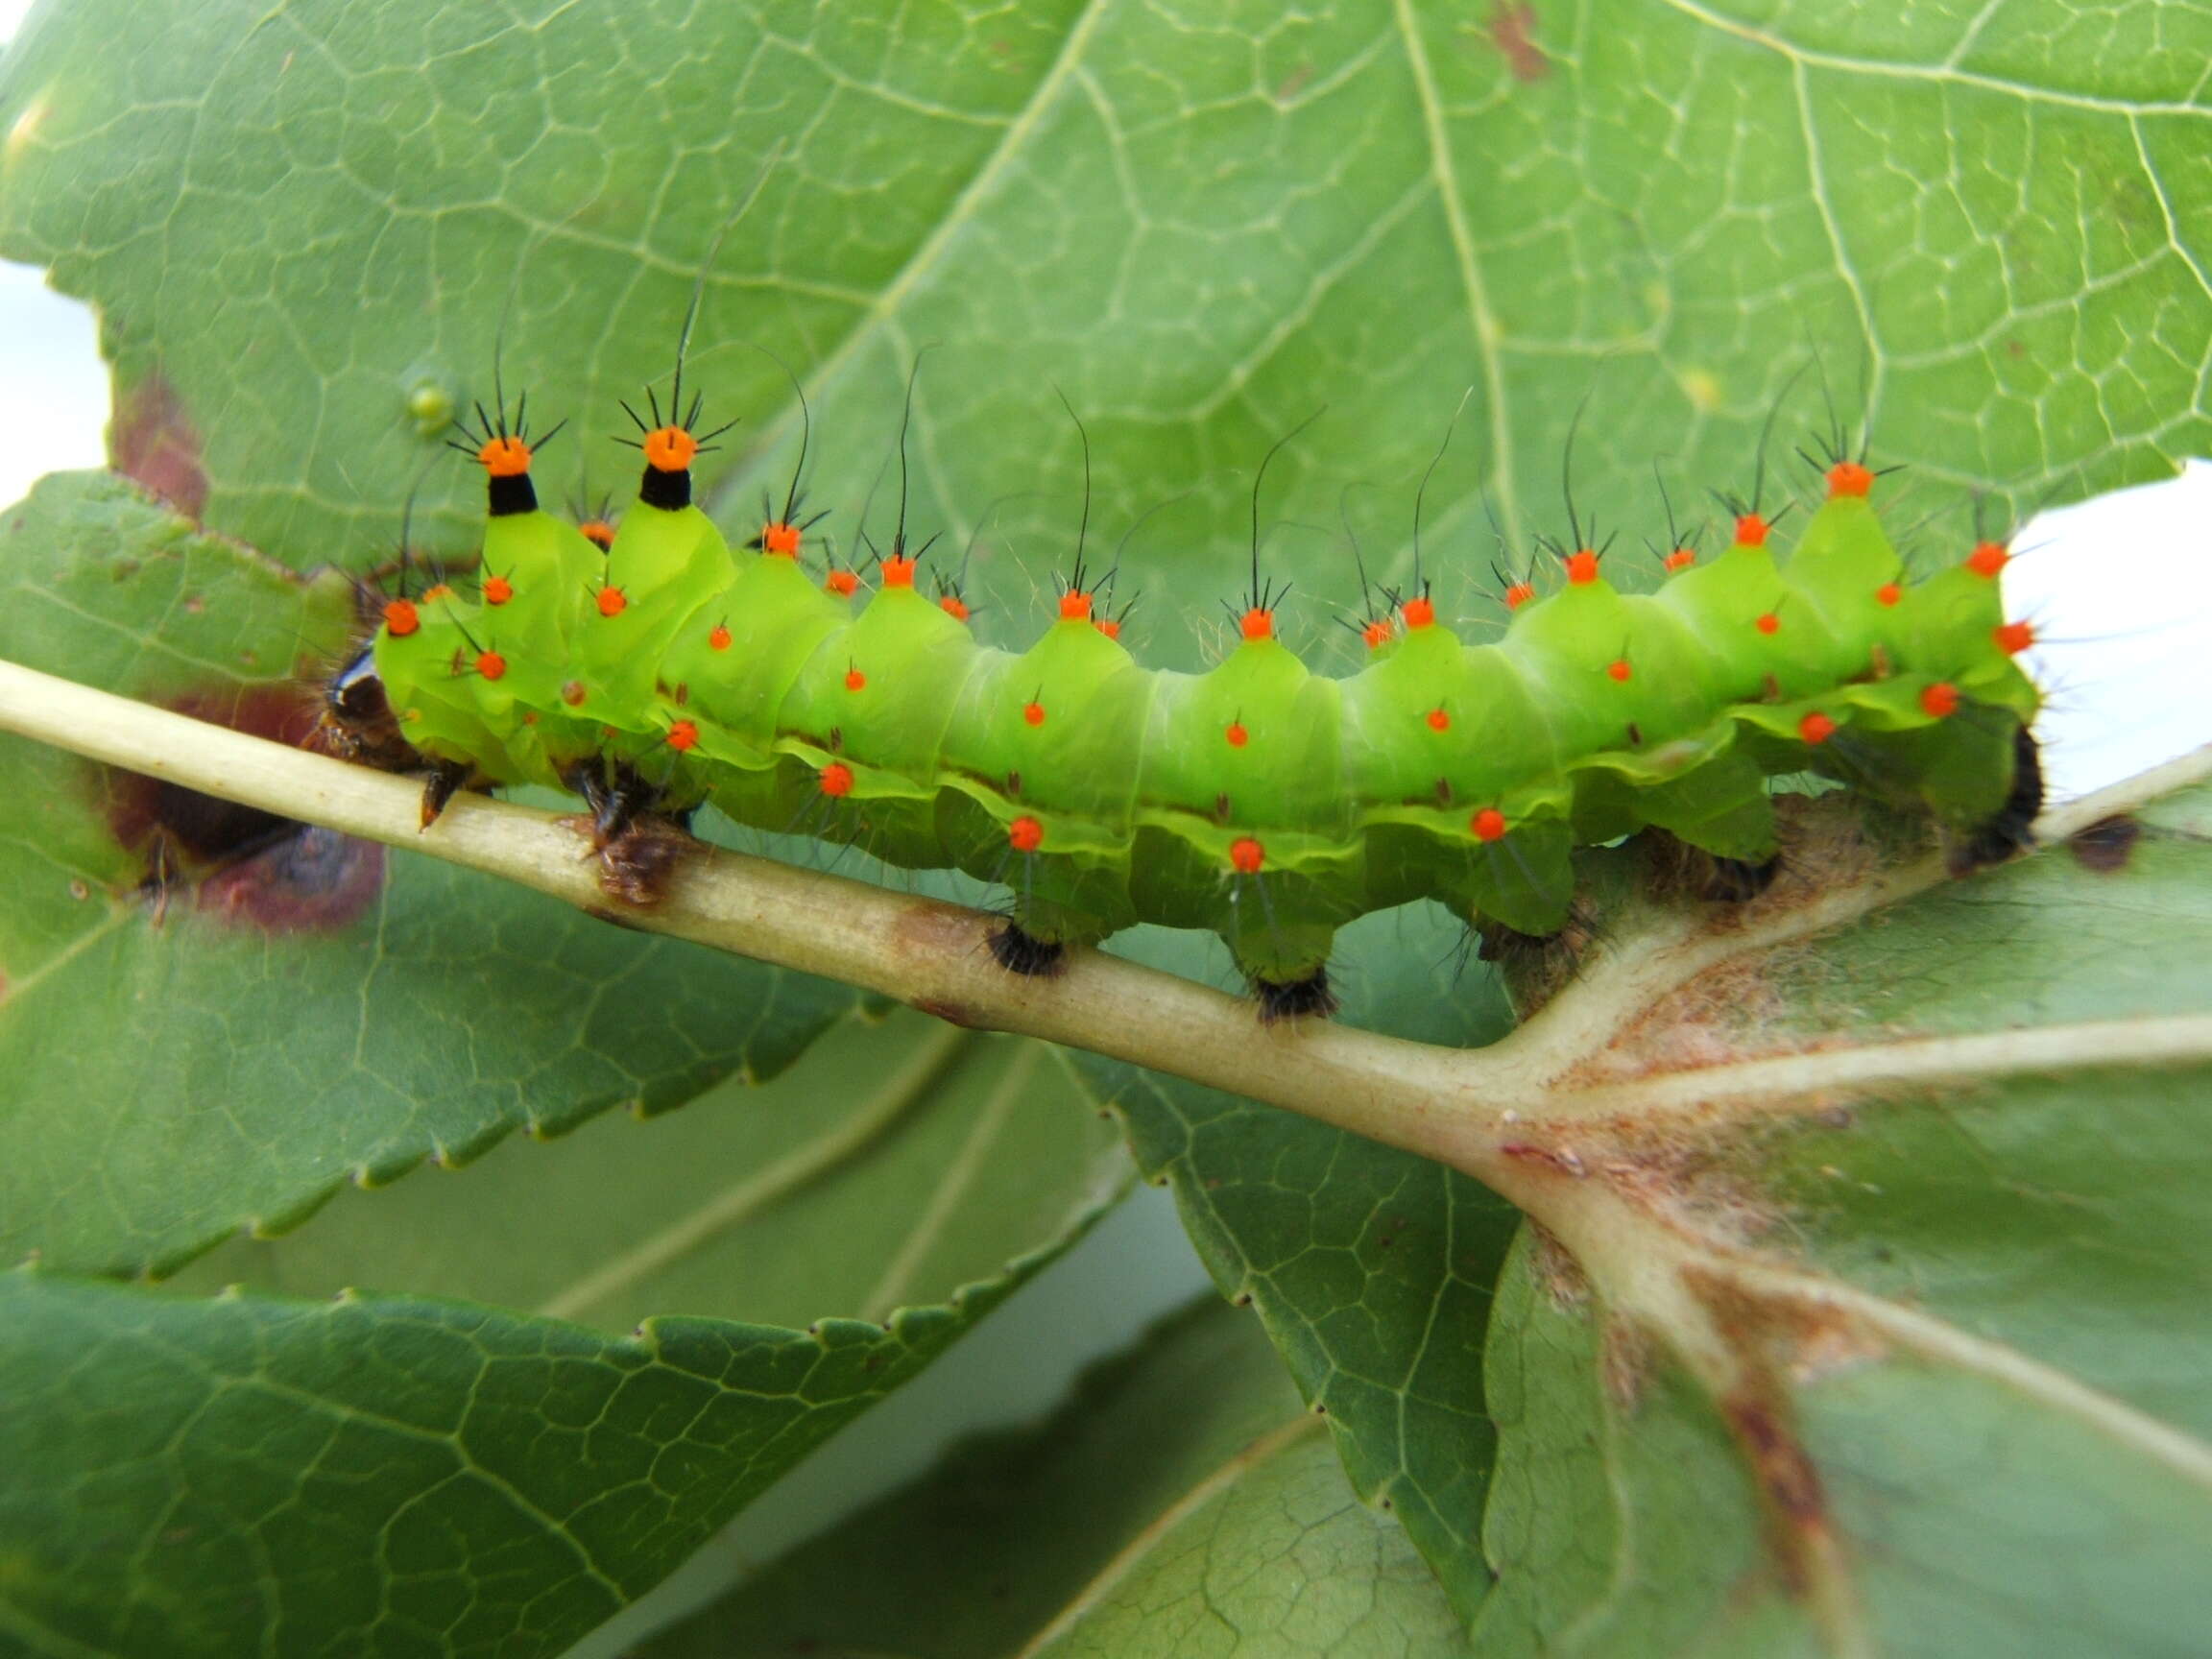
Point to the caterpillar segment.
(1260, 801)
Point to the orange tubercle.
(1940, 701)
(1988, 559)
(682, 735)
(1377, 633)
(781, 540)
(1767, 623)
(1258, 624)
(490, 664)
(1074, 605)
(1620, 670)
(1888, 594)
(1245, 856)
(897, 572)
(2014, 637)
(1751, 531)
(401, 618)
(1110, 626)
(1681, 559)
(1418, 613)
(1488, 824)
(613, 601)
(1033, 713)
(573, 693)
(1850, 478)
(1581, 569)
(1026, 835)
(498, 589)
(505, 457)
(719, 639)
(670, 450)
(435, 591)
(1438, 720)
(855, 679)
(598, 532)
(836, 778)
(1519, 594)
(842, 583)
(1236, 733)
(953, 606)
(1815, 727)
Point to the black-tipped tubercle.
(669, 491)
(512, 494)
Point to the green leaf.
(298, 224)
(1989, 226)
(387, 1475)
(1371, 1269)
(1895, 1339)
(888, 1167)
(1181, 1502)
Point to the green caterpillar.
(1260, 801)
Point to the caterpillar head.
(356, 723)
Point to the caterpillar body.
(1259, 800)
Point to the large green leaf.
(307, 227)
(386, 1474)
(229, 1054)
(1182, 1503)
(1990, 226)
(888, 1167)
(1371, 1269)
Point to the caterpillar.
(656, 668)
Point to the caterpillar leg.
(2012, 829)
(615, 793)
(639, 845)
(640, 861)
(446, 779)
(1018, 951)
(1308, 997)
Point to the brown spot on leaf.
(1553, 1269)
(1780, 1341)
(239, 863)
(2106, 844)
(309, 879)
(1788, 1482)
(1512, 32)
(1626, 1361)
(199, 826)
(152, 440)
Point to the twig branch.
(1463, 1108)
(1441, 1103)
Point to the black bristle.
(1295, 998)
(1020, 952)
